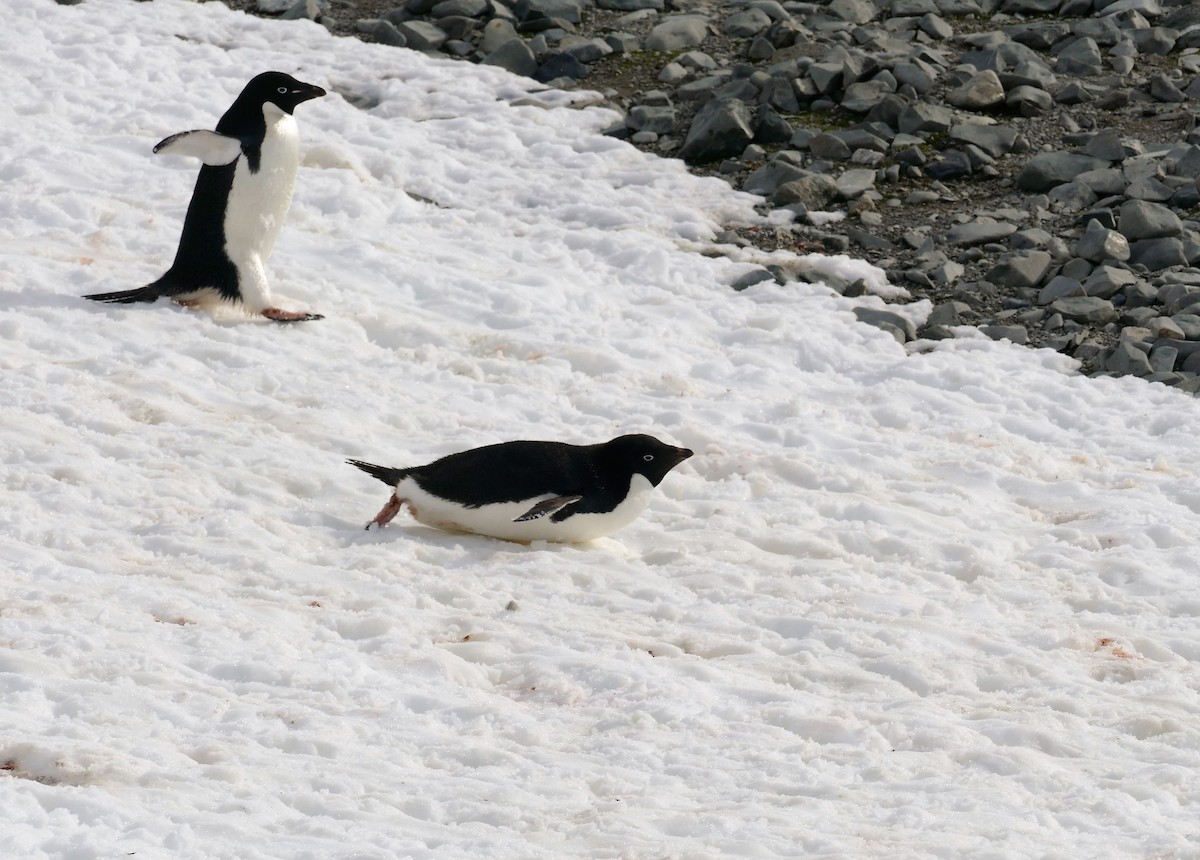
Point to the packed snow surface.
(940, 602)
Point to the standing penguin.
(525, 491)
(239, 203)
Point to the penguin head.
(279, 89)
(639, 454)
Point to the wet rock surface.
(1029, 166)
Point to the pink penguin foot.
(279, 315)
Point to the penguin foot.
(386, 515)
(279, 315)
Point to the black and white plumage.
(239, 203)
(526, 491)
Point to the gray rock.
(814, 191)
(497, 32)
(1017, 334)
(889, 321)
(678, 33)
(861, 96)
(1020, 269)
(1128, 360)
(421, 35)
(766, 179)
(1141, 219)
(659, 119)
(721, 129)
(853, 11)
(829, 146)
(465, 8)
(922, 117)
(1107, 281)
(1155, 41)
(754, 276)
(563, 10)
(585, 50)
(1099, 243)
(1048, 169)
(1085, 309)
(1105, 181)
(1028, 101)
(1157, 254)
(979, 92)
(381, 31)
(1059, 287)
(743, 25)
(630, 5)
(979, 232)
(995, 140)
(916, 74)
(855, 182)
(1163, 90)
(953, 164)
(515, 55)
(1072, 196)
(1105, 144)
(934, 26)
(1079, 58)
(558, 66)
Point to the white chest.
(259, 200)
(497, 520)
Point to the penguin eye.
(282, 90)
(647, 457)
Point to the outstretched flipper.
(210, 147)
(547, 508)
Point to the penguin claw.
(283, 316)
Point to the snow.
(927, 603)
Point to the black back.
(517, 471)
(201, 260)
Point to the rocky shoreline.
(1029, 166)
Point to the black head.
(279, 89)
(639, 454)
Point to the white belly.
(497, 520)
(258, 203)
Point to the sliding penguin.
(526, 491)
(241, 198)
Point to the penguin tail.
(391, 477)
(148, 293)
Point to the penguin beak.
(309, 91)
(683, 453)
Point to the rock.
(953, 164)
(514, 55)
(1059, 287)
(1140, 219)
(721, 129)
(1157, 254)
(1020, 269)
(995, 140)
(828, 146)
(1048, 169)
(1017, 334)
(381, 31)
(570, 11)
(853, 11)
(658, 119)
(1080, 57)
(421, 35)
(678, 33)
(855, 182)
(814, 191)
(1028, 101)
(979, 232)
(980, 92)
(465, 8)
(1099, 243)
(1163, 90)
(743, 25)
(755, 276)
(766, 179)
(1087, 309)
(901, 327)
(1128, 360)
(560, 66)
(921, 117)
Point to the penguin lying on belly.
(526, 491)
(241, 198)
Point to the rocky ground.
(1029, 166)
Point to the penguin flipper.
(547, 508)
(210, 147)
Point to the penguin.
(525, 491)
(241, 197)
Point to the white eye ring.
(282, 90)
(647, 457)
